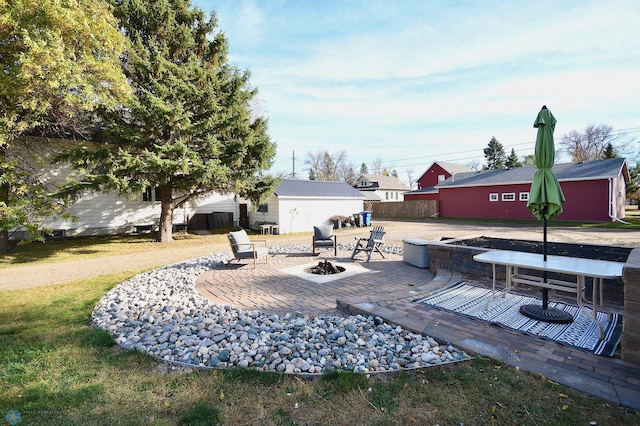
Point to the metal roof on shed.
(316, 188)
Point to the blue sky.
(413, 82)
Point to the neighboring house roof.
(588, 170)
(427, 190)
(371, 196)
(451, 168)
(381, 182)
(315, 188)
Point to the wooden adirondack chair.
(370, 244)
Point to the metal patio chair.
(323, 236)
(243, 248)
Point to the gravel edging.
(159, 313)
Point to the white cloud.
(415, 79)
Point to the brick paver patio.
(387, 290)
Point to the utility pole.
(293, 175)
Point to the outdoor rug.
(583, 332)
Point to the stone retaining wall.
(631, 320)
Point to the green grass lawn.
(77, 248)
(55, 368)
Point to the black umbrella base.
(552, 315)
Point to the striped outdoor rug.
(583, 332)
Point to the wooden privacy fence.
(406, 209)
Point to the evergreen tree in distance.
(512, 160)
(495, 155)
(609, 152)
(189, 130)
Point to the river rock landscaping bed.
(160, 314)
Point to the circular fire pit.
(325, 268)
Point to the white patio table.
(578, 267)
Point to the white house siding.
(302, 214)
(100, 213)
(103, 214)
(214, 203)
(108, 213)
(271, 215)
(388, 195)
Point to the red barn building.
(595, 192)
(437, 173)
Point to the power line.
(445, 156)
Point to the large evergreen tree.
(189, 131)
(59, 60)
(495, 155)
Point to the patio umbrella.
(545, 202)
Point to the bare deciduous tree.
(474, 164)
(376, 166)
(411, 178)
(327, 167)
(592, 143)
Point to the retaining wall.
(631, 320)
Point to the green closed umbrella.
(546, 197)
(545, 202)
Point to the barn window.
(524, 196)
(508, 196)
(440, 178)
(493, 197)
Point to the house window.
(152, 194)
(263, 208)
(524, 196)
(440, 178)
(509, 196)
(386, 195)
(396, 195)
(493, 197)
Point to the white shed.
(299, 205)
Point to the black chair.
(323, 236)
